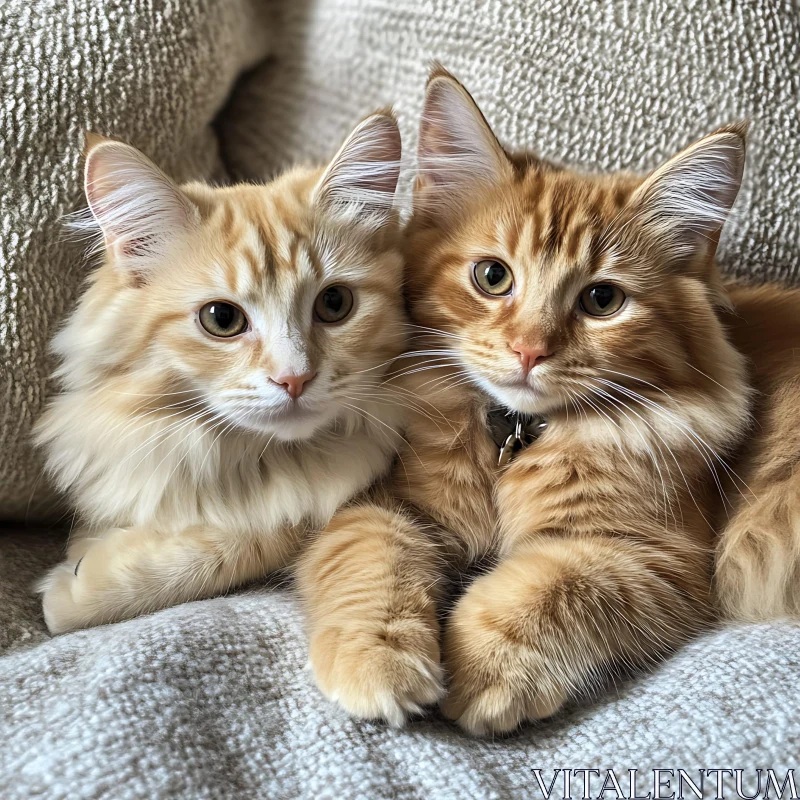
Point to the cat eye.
(222, 320)
(493, 277)
(602, 299)
(333, 304)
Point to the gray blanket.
(212, 700)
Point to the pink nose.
(294, 384)
(530, 356)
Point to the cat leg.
(758, 556)
(758, 553)
(130, 571)
(369, 585)
(551, 618)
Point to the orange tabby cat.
(592, 303)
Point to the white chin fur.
(288, 427)
(296, 430)
(525, 399)
(285, 430)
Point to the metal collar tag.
(513, 432)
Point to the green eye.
(223, 320)
(602, 299)
(493, 277)
(333, 304)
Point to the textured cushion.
(156, 80)
(211, 700)
(609, 85)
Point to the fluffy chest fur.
(177, 470)
(656, 472)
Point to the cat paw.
(61, 611)
(384, 674)
(64, 591)
(496, 683)
(499, 707)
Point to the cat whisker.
(410, 405)
(367, 414)
(423, 368)
(269, 441)
(387, 427)
(416, 353)
(624, 405)
(668, 509)
(641, 380)
(181, 460)
(175, 428)
(135, 420)
(705, 375)
(466, 379)
(426, 330)
(158, 394)
(160, 431)
(417, 402)
(377, 366)
(220, 433)
(435, 383)
(685, 428)
(688, 431)
(645, 443)
(360, 412)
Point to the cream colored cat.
(221, 375)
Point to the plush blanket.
(212, 700)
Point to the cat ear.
(457, 149)
(138, 208)
(685, 202)
(361, 180)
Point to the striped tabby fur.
(191, 465)
(602, 533)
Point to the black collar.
(512, 431)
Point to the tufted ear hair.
(138, 209)
(684, 204)
(457, 151)
(361, 180)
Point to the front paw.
(62, 611)
(496, 684)
(65, 590)
(384, 671)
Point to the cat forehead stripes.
(554, 214)
(271, 240)
(140, 213)
(266, 237)
(465, 177)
